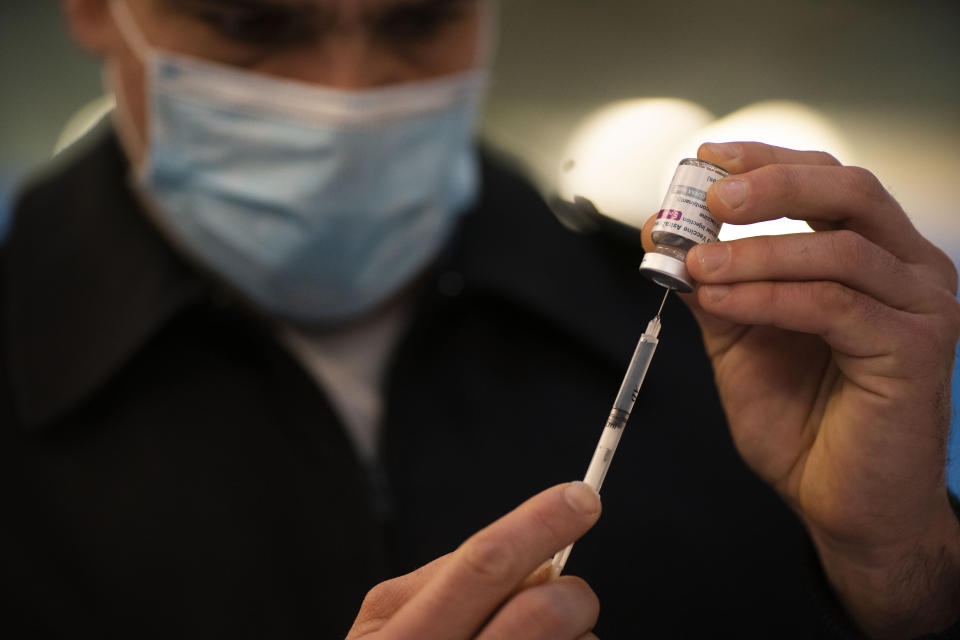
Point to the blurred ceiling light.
(778, 122)
(84, 120)
(623, 156)
(615, 158)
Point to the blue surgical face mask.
(317, 204)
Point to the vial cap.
(666, 271)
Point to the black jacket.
(170, 471)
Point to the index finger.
(772, 183)
(490, 565)
(741, 157)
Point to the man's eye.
(416, 23)
(262, 27)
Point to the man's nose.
(353, 60)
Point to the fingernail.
(712, 256)
(732, 192)
(715, 292)
(726, 151)
(582, 498)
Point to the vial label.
(684, 211)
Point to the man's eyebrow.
(418, 5)
(317, 13)
(230, 4)
(305, 5)
(292, 7)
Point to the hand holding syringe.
(629, 389)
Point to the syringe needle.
(663, 302)
(622, 406)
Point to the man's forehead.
(342, 9)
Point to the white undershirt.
(349, 365)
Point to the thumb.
(647, 233)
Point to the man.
(260, 354)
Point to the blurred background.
(600, 98)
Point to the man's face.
(345, 44)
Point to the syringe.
(622, 406)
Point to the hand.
(832, 353)
(485, 589)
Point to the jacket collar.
(586, 283)
(87, 280)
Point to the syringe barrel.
(633, 379)
(602, 456)
(613, 429)
(620, 414)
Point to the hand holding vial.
(833, 353)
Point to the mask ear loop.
(488, 36)
(130, 138)
(129, 29)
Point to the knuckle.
(894, 265)
(786, 180)
(488, 558)
(377, 594)
(838, 298)
(953, 321)
(589, 598)
(772, 296)
(381, 596)
(765, 248)
(951, 276)
(377, 607)
(854, 252)
(843, 308)
(826, 158)
(864, 182)
(546, 612)
(849, 248)
(916, 332)
(948, 270)
(918, 341)
(938, 268)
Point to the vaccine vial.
(683, 222)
